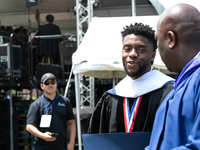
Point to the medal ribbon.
(47, 109)
(129, 119)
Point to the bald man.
(177, 121)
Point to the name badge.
(45, 121)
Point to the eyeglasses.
(51, 82)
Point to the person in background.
(49, 116)
(2, 27)
(9, 29)
(177, 121)
(49, 48)
(131, 105)
(49, 28)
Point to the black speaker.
(6, 60)
(43, 68)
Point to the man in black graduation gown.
(131, 105)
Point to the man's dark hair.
(143, 30)
(49, 18)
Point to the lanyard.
(47, 109)
(129, 119)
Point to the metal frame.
(84, 93)
(86, 86)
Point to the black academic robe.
(108, 116)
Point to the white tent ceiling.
(99, 54)
(15, 13)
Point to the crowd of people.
(19, 38)
(17, 30)
(43, 50)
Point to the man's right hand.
(34, 131)
(47, 137)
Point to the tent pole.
(67, 86)
(114, 81)
(11, 84)
(11, 122)
(78, 110)
(133, 8)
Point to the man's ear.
(153, 56)
(41, 85)
(171, 38)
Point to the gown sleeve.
(99, 121)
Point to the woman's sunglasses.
(51, 82)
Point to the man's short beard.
(144, 68)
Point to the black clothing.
(48, 29)
(49, 47)
(108, 116)
(61, 112)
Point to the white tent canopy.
(99, 54)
